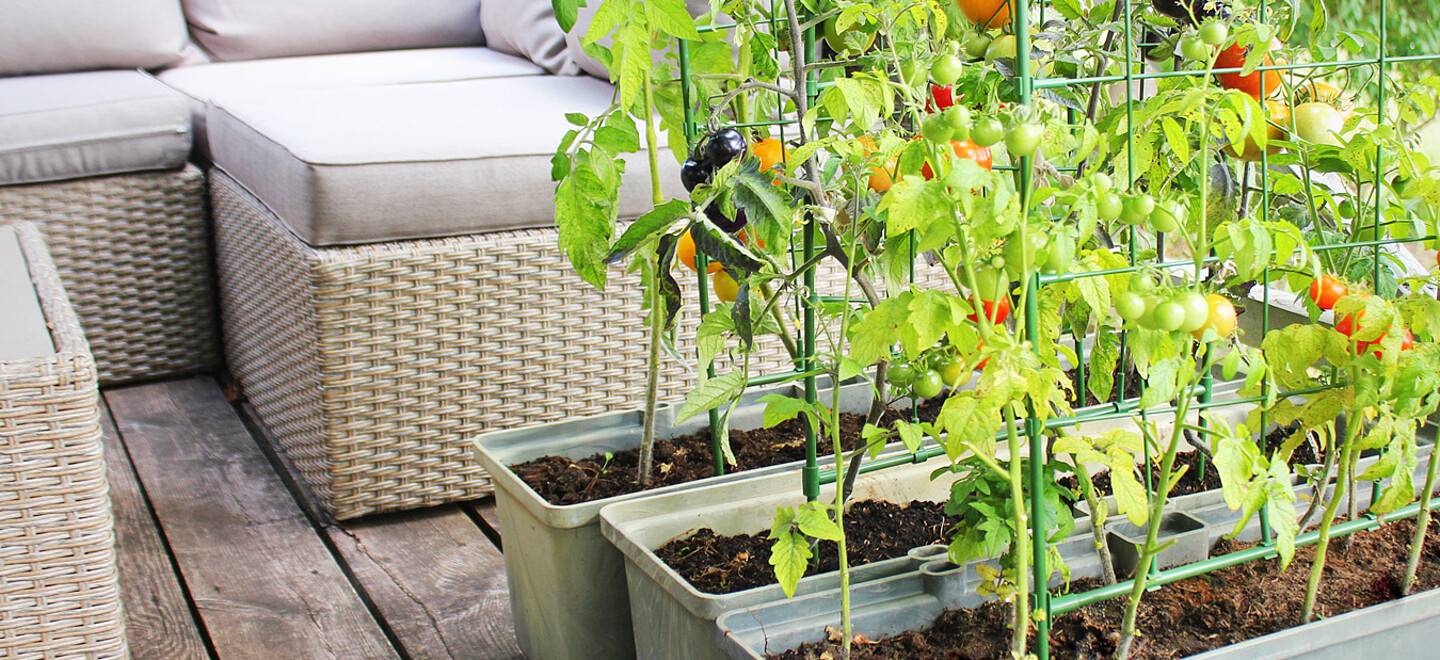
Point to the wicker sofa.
(379, 204)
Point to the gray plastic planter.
(567, 583)
(672, 619)
(1191, 542)
(1405, 628)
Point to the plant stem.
(657, 315)
(1097, 524)
(1323, 483)
(1422, 522)
(1021, 551)
(1317, 565)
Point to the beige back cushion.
(59, 36)
(255, 29)
(527, 28)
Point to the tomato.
(947, 69)
(1023, 139)
(1276, 113)
(1221, 319)
(990, 282)
(1325, 290)
(1346, 325)
(928, 384)
(1193, 47)
(1197, 310)
(995, 312)
(900, 375)
(1317, 90)
(912, 74)
(694, 172)
(1108, 205)
(941, 97)
(1003, 46)
(771, 153)
(725, 286)
(842, 42)
(952, 371)
(1129, 305)
(882, 177)
(1168, 216)
(987, 131)
(1234, 58)
(1138, 209)
(993, 14)
(935, 129)
(685, 252)
(1214, 33)
(725, 146)
(967, 150)
(977, 44)
(958, 118)
(1319, 123)
(1147, 317)
(1169, 316)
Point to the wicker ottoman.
(134, 253)
(59, 593)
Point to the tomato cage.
(1265, 189)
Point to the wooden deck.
(221, 557)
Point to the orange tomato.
(882, 177)
(770, 151)
(1276, 113)
(1221, 318)
(991, 14)
(966, 149)
(1234, 58)
(685, 252)
(725, 286)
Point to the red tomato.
(1407, 342)
(995, 312)
(1234, 58)
(941, 97)
(1326, 290)
(967, 149)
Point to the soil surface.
(875, 531)
(679, 460)
(1184, 618)
(1132, 386)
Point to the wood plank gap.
(261, 575)
(161, 619)
(482, 513)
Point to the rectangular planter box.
(567, 583)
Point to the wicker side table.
(59, 591)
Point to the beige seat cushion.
(72, 125)
(254, 29)
(359, 165)
(527, 28)
(56, 36)
(387, 67)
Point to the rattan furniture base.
(59, 591)
(374, 366)
(134, 253)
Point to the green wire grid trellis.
(1027, 85)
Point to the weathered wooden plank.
(260, 576)
(158, 622)
(489, 518)
(436, 579)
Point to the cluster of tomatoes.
(1170, 310)
(1327, 290)
(711, 154)
(928, 376)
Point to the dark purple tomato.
(694, 172)
(725, 146)
(726, 224)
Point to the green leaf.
(712, 394)
(567, 12)
(913, 203)
(780, 408)
(647, 227)
(1130, 496)
(757, 195)
(584, 219)
(910, 434)
(710, 336)
(1162, 384)
(970, 423)
(1284, 521)
(671, 17)
(790, 556)
(1235, 459)
(814, 521)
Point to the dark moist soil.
(563, 481)
(1132, 387)
(874, 530)
(1196, 481)
(1184, 618)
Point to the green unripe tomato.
(1147, 317)
(958, 118)
(1167, 217)
(912, 74)
(928, 384)
(1347, 209)
(991, 283)
(1168, 316)
(1101, 182)
(986, 131)
(952, 371)
(1108, 205)
(900, 375)
(947, 69)
(1001, 46)
(1141, 282)
(1023, 139)
(1197, 309)
(977, 44)
(1214, 33)
(1130, 306)
(936, 130)
(1138, 209)
(1192, 47)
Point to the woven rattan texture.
(134, 253)
(374, 366)
(59, 591)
